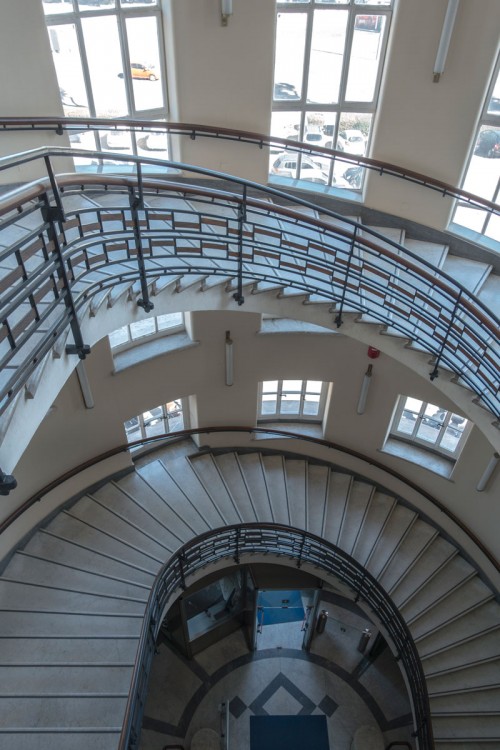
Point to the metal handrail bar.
(230, 543)
(416, 270)
(187, 433)
(59, 125)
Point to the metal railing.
(330, 157)
(62, 248)
(238, 543)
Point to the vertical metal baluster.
(435, 372)
(338, 318)
(136, 205)
(238, 296)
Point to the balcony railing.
(60, 250)
(239, 543)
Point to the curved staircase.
(72, 599)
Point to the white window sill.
(416, 455)
(308, 429)
(288, 325)
(156, 347)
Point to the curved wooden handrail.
(181, 434)
(193, 130)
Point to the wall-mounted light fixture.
(83, 380)
(365, 387)
(226, 7)
(229, 358)
(488, 472)
(444, 42)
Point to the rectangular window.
(292, 400)
(159, 420)
(155, 326)
(329, 57)
(482, 175)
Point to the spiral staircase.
(73, 596)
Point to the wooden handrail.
(194, 130)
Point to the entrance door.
(283, 618)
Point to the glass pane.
(453, 433)
(116, 140)
(153, 144)
(102, 46)
(494, 103)
(314, 386)
(136, 3)
(483, 172)
(51, 7)
(142, 328)
(292, 385)
(214, 604)
(84, 141)
(269, 386)
(472, 218)
(175, 419)
(365, 58)
(327, 55)
(354, 131)
(66, 54)
(373, 2)
(319, 128)
(289, 60)
(332, 2)
(311, 405)
(493, 228)
(407, 421)
(432, 421)
(132, 429)
(283, 125)
(142, 36)
(96, 4)
(154, 421)
(171, 320)
(120, 336)
(269, 404)
(289, 404)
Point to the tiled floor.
(334, 679)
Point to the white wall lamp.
(488, 472)
(365, 387)
(226, 7)
(444, 42)
(229, 359)
(83, 380)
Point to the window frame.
(143, 424)
(278, 416)
(74, 17)
(156, 334)
(413, 439)
(342, 106)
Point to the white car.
(310, 170)
(352, 141)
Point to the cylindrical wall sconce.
(488, 472)
(229, 358)
(365, 387)
(226, 7)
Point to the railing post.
(136, 205)
(338, 318)
(242, 215)
(435, 372)
(237, 552)
(54, 217)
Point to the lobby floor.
(334, 679)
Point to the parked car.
(146, 72)
(437, 419)
(286, 166)
(315, 137)
(488, 144)
(354, 176)
(285, 91)
(352, 141)
(368, 23)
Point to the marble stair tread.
(467, 627)
(251, 466)
(483, 674)
(68, 651)
(161, 518)
(485, 646)
(466, 701)
(183, 474)
(35, 570)
(60, 679)
(436, 555)
(450, 576)
(413, 546)
(471, 274)
(317, 486)
(462, 726)
(230, 470)
(432, 252)
(71, 712)
(296, 489)
(208, 475)
(274, 473)
(87, 534)
(354, 513)
(63, 623)
(398, 524)
(339, 486)
(394, 234)
(489, 294)
(378, 513)
(102, 739)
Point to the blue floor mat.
(288, 733)
(281, 606)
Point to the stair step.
(484, 646)
(413, 546)
(230, 469)
(436, 555)
(296, 489)
(317, 485)
(274, 472)
(475, 675)
(213, 483)
(398, 524)
(252, 470)
(381, 506)
(355, 510)
(467, 598)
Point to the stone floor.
(332, 679)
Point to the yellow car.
(143, 71)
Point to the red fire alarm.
(373, 353)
